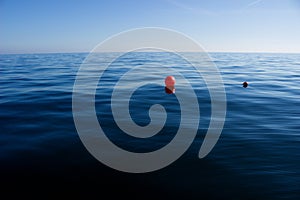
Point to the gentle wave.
(258, 148)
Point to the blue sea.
(256, 157)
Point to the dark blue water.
(256, 157)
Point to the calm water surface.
(256, 157)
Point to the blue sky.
(79, 25)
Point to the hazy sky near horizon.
(34, 26)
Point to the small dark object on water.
(245, 84)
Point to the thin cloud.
(189, 8)
(253, 3)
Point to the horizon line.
(86, 52)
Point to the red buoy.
(170, 83)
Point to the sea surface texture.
(256, 157)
